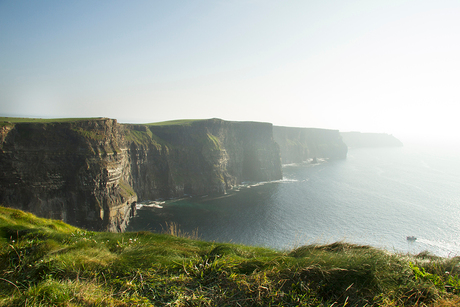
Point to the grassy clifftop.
(17, 120)
(48, 263)
(178, 122)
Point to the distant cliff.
(90, 173)
(358, 139)
(200, 157)
(301, 144)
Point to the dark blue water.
(376, 197)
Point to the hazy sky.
(371, 66)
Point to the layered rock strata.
(201, 157)
(77, 172)
(90, 173)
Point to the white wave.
(150, 204)
(251, 184)
(288, 180)
(290, 164)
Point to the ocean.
(377, 197)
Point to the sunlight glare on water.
(375, 197)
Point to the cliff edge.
(200, 157)
(75, 171)
(91, 172)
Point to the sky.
(356, 65)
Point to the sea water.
(377, 197)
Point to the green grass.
(125, 189)
(179, 122)
(144, 138)
(48, 263)
(213, 142)
(15, 120)
(10, 121)
(139, 137)
(92, 134)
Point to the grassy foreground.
(48, 263)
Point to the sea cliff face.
(201, 157)
(73, 171)
(301, 144)
(90, 173)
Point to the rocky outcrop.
(358, 139)
(302, 144)
(90, 173)
(73, 171)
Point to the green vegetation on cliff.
(48, 263)
(125, 189)
(144, 138)
(210, 141)
(179, 122)
(16, 120)
(90, 134)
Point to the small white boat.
(411, 238)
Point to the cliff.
(301, 144)
(75, 171)
(90, 173)
(358, 139)
(200, 157)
